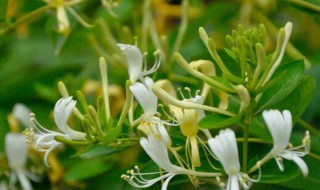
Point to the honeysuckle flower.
(156, 146)
(135, 62)
(43, 140)
(224, 146)
(16, 151)
(22, 113)
(280, 127)
(62, 6)
(188, 120)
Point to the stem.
(245, 147)
(127, 103)
(315, 156)
(305, 4)
(307, 126)
(260, 163)
(25, 18)
(182, 28)
(253, 140)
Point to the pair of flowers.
(224, 147)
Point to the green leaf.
(86, 169)
(223, 81)
(216, 121)
(97, 151)
(288, 77)
(299, 99)
(111, 135)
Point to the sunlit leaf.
(288, 77)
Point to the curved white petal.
(134, 60)
(24, 181)
(46, 155)
(166, 183)
(289, 155)
(62, 112)
(16, 149)
(146, 98)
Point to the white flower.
(156, 147)
(43, 140)
(16, 150)
(22, 113)
(135, 62)
(280, 126)
(224, 147)
(146, 98)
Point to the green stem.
(313, 155)
(307, 126)
(182, 28)
(25, 18)
(260, 163)
(127, 104)
(245, 147)
(305, 4)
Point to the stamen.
(188, 91)
(179, 90)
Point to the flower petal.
(289, 155)
(22, 113)
(146, 98)
(224, 146)
(62, 111)
(280, 126)
(16, 149)
(166, 183)
(134, 59)
(24, 181)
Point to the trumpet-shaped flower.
(16, 150)
(280, 126)
(43, 140)
(224, 146)
(135, 62)
(156, 147)
(22, 113)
